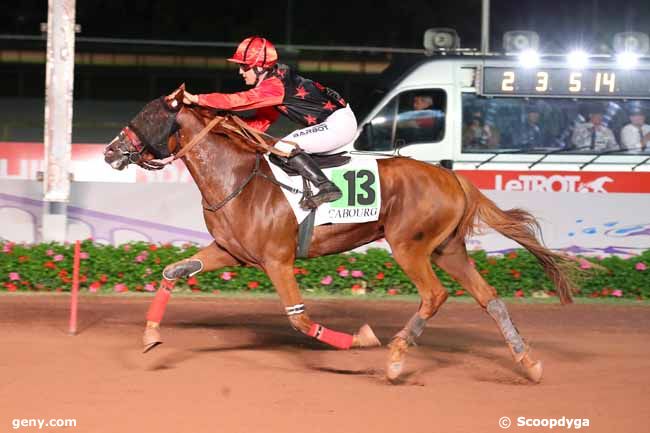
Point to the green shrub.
(138, 266)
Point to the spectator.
(636, 134)
(531, 133)
(593, 135)
(480, 135)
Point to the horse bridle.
(140, 145)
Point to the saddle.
(323, 161)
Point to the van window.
(542, 125)
(415, 116)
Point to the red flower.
(296, 271)
(23, 259)
(253, 285)
(380, 276)
(95, 285)
(340, 268)
(519, 293)
(120, 275)
(392, 292)
(460, 292)
(103, 278)
(63, 273)
(157, 260)
(605, 292)
(49, 265)
(512, 255)
(388, 264)
(192, 281)
(11, 287)
(153, 247)
(83, 278)
(515, 273)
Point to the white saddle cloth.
(362, 170)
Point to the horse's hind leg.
(455, 262)
(207, 259)
(417, 266)
(284, 281)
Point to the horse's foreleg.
(209, 258)
(432, 295)
(285, 284)
(456, 262)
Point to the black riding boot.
(307, 168)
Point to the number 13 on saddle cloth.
(359, 182)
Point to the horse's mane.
(207, 114)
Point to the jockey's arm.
(268, 93)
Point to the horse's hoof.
(396, 360)
(534, 369)
(366, 338)
(394, 371)
(151, 339)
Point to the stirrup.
(328, 193)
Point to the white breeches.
(337, 130)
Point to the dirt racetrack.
(235, 365)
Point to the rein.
(247, 132)
(241, 128)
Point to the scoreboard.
(566, 83)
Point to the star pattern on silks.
(329, 106)
(283, 108)
(301, 92)
(281, 72)
(311, 120)
(318, 85)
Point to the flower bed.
(138, 267)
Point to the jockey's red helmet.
(255, 51)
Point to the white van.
(571, 143)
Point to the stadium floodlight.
(529, 58)
(627, 59)
(578, 59)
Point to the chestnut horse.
(426, 214)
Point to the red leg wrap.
(340, 340)
(157, 307)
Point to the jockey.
(326, 120)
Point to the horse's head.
(147, 135)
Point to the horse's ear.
(175, 99)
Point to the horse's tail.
(521, 227)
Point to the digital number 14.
(605, 79)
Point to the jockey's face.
(248, 75)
